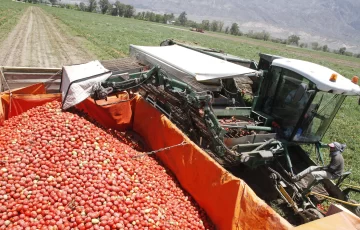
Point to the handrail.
(332, 198)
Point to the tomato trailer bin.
(229, 202)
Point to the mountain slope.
(327, 21)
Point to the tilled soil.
(38, 41)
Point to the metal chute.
(77, 81)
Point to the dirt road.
(37, 41)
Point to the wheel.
(312, 214)
(354, 209)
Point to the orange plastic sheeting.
(19, 103)
(116, 116)
(229, 202)
(338, 221)
(38, 88)
(23, 99)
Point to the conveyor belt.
(123, 65)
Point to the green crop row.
(10, 13)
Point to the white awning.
(192, 63)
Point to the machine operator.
(332, 171)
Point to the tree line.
(128, 11)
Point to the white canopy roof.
(319, 75)
(201, 66)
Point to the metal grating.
(123, 65)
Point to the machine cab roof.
(320, 76)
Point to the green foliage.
(10, 12)
(315, 46)
(234, 30)
(264, 35)
(82, 6)
(104, 6)
(129, 11)
(303, 45)
(92, 5)
(205, 24)
(342, 50)
(182, 18)
(325, 48)
(293, 40)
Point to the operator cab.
(302, 98)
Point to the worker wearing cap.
(331, 171)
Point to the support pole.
(288, 160)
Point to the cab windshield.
(318, 117)
(302, 112)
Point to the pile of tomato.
(58, 170)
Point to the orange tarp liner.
(229, 201)
(24, 99)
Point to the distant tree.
(342, 50)
(347, 53)
(193, 24)
(159, 18)
(152, 17)
(53, 2)
(214, 26)
(325, 48)
(264, 35)
(234, 30)
(92, 5)
(129, 11)
(303, 45)
(293, 40)
(119, 9)
(82, 6)
(227, 30)
(205, 24)
(166, 18)
(104, 6)
(182, 18)
(357, 55)
(138, 16)
(315, 45)
(220, 25)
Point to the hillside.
(332, 22)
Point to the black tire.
(354, 209)
(312, 214)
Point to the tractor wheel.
(313, 214)
(356, 209)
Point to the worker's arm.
(323, 145)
